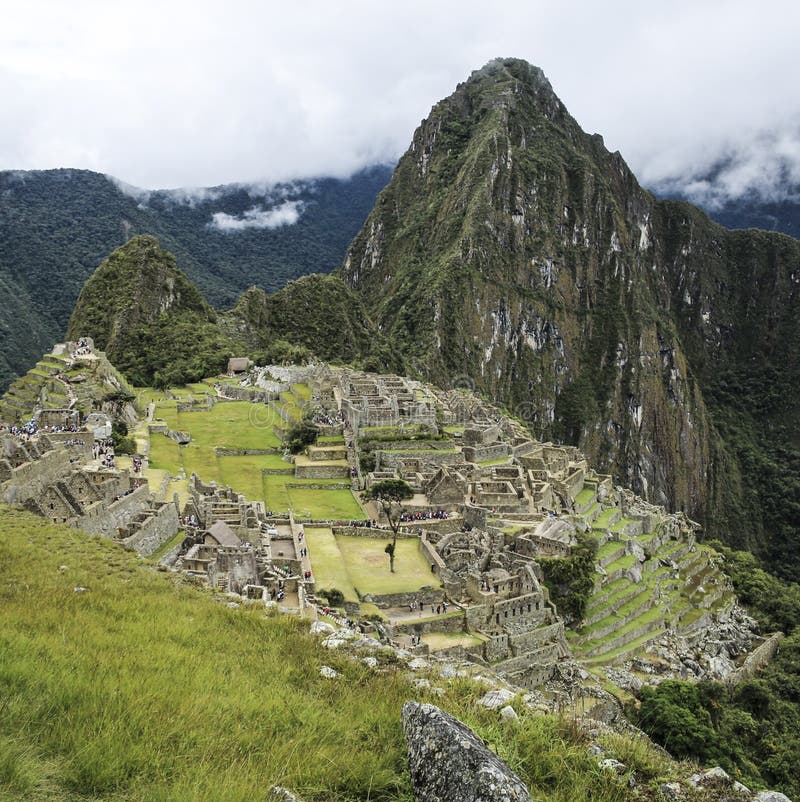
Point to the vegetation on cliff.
(753, 728)
(151, 321)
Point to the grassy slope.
(144, 689)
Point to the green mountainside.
(154, 324)
(513, 251)
(147, 316)
(56, 226)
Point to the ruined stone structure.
(53, 479)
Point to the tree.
(389, 493)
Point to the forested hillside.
(56, 226)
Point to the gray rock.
(322, 628)
(717, 773)
(417, 664)
(670, 790)
(449, 763)
(610, 764)
(328, 672)
(594, 750)
(508, 713)
(278, 794)
(771, 796)
(497, 698)
(334, 642)
(372, 662)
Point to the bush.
(334, 596)
(302, 434)
(570, 580)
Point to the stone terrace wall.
(364, 531)
(106, 520)
(155, 531)
(31, 478)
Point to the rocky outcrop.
(449, 763)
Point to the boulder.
(670, 790)
(328, 672)
(508, 713)
(449, 763)
(771, 796)
(497, 698)
(322, 628)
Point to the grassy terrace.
(489, 462)
(446, 640)
(241, 425)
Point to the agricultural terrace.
(240, 425)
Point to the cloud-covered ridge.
(287, 214)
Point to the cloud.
(287, 214)
(765, 168)
(269, 92)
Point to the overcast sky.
(167, 94)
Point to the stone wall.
(364, 531)
(235, 392)
(101, 519)
(483, 453)
(450, 622)
(154, 532)
(386, 459)
(756, 660)
(31, 478)
(321, 471)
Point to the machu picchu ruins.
(488, 504)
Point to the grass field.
(143, 689)
(368, 565)
(328, 563)
(360, 564)
(446, 640)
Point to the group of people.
(82, 348)
(436, 609)
(427, 515)
(26, 430)
(189, 521)
(104, 451)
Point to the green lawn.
(324, 504)
(446, 640)
(368, 565)
(327, 562)
(232, 424)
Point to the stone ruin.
(51, 475)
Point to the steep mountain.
(156, 327)
(151, 321)
(513, 251)
(57, 225)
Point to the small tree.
(389, 493)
